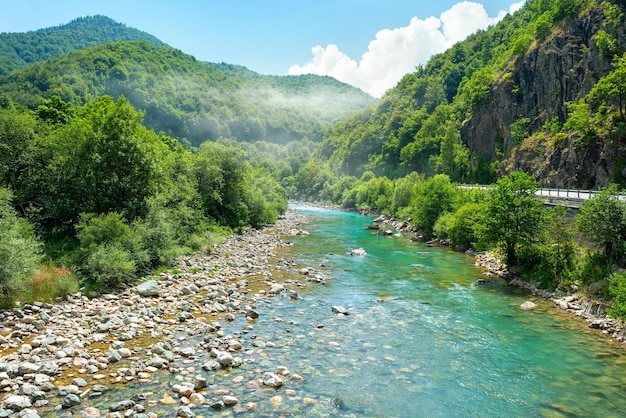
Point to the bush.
(110, 251)
(19, 250)
(617, 290)
(461, 229)
(108, 267)
(593, 267)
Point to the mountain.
(18, 50)
(541, 91)
(189, 99)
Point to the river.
(420, 340)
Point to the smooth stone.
(70, 401)
(229, 400)
(528, 306)
(272, 380)
(224, 359)
(185, 412)
(16, 402)
(338, 309)
(148, 288)
(122, 405)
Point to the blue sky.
(367, 43)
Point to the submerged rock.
(339, 310)
(272, 380)
(528, 306)
(358, 252)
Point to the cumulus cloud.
(395, 52)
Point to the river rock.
(70, 401)
(528, 306)
(358, 252)
(338, 309)
(122, 405)
(224, 359)
(185, 412)
(211, 365)
(272, 380)
(229, 400)
(276, 288)
(16, 402)
(148, 288)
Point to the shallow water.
(420, 340)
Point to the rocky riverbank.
(579, 304)
(592, 311)
(54, 356)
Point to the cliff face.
(562, 68)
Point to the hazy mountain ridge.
(183, 97)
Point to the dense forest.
(120, 156)
(188, 99)
(18, 50)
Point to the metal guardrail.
(566, 194)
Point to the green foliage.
(18, 50)
(19, 250)
(579, 120)
(432, 198)
(460, 224)
(109, 266)
(602, 220)
(617, 290)
(551, 260)
(592, 268)
(611, 89)
(519, 130)
(189, 99)
(265, 198)
(49, 283)
(607, 44)
(512, 215)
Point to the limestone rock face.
(562, 68)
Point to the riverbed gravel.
(55, 355)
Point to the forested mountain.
(191, 100)
(18, 50)
(505, 99)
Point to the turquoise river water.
(420, 340)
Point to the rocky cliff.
(561, 68)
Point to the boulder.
(148, 288)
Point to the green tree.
(432, 198)
(19, 250)
(602, 219)
(511, 216)
(611, 89)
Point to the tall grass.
(48, 283)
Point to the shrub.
(49, 283)
(19, 250)
(617, 290)
(461, 229)
(593, 267)
(108, 267)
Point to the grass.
(49, 283)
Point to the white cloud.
(396, 52)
